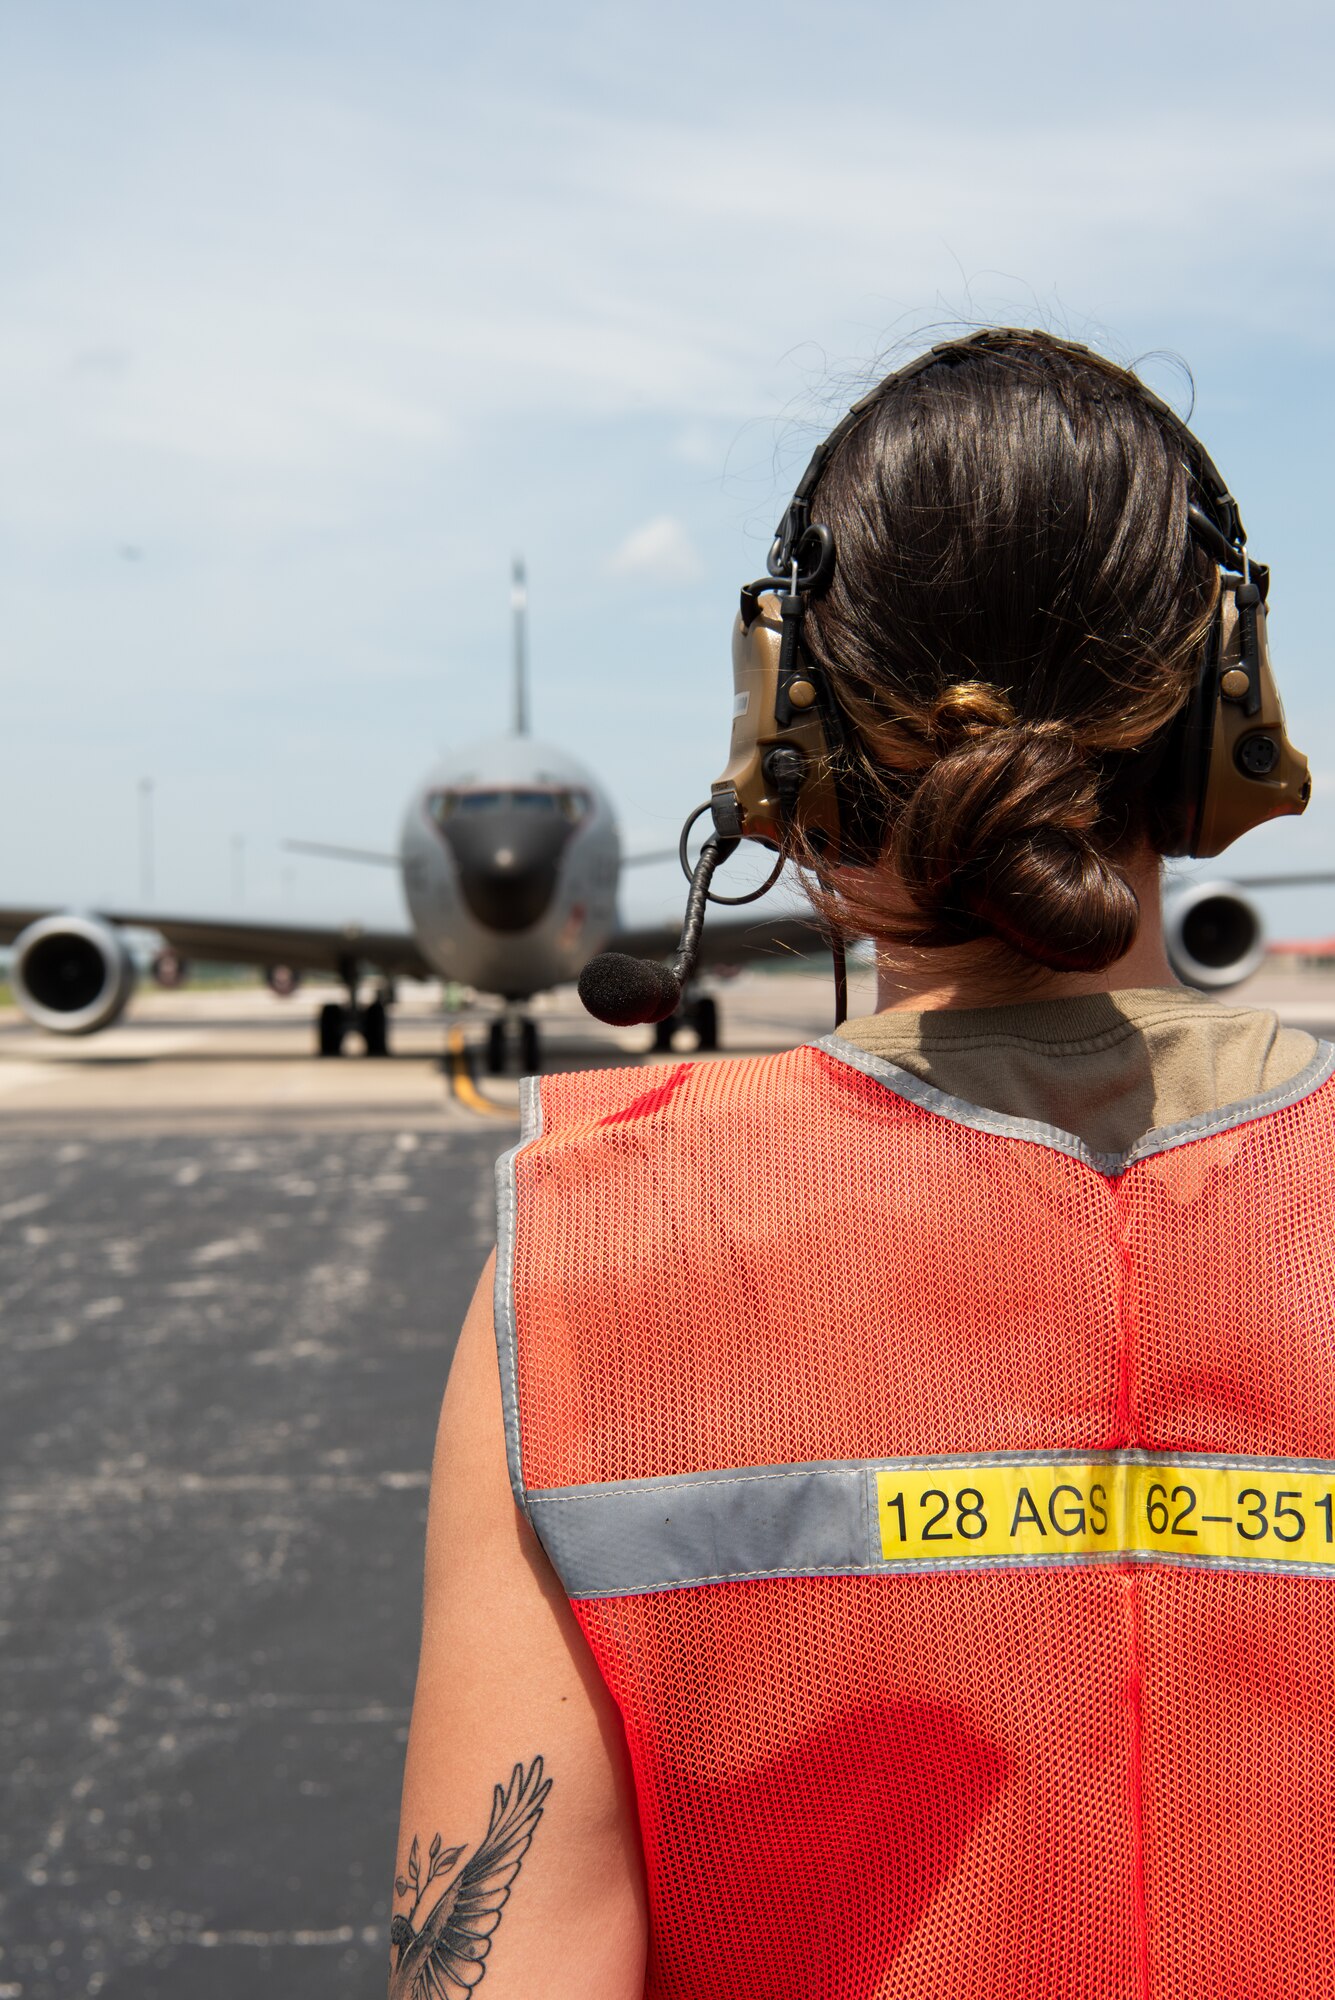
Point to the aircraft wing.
(741, 940)
(728, 940)
(1306, 881)
(307, 947)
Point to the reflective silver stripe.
(1160, 1139)
(507, 1343)
(632, 1535)
(629, 1537)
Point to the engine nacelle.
(71, 975)
(1214, 935)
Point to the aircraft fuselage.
(510, 856)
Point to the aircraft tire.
(373, 1026)
(704, 1020)
(333, 1026)
(496, 1048)
(663, 1033)
(170, 970)
(530, 1048)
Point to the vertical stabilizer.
(519, 605)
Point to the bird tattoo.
(447, 1954)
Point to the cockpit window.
(572, 805)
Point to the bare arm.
(516, 1767)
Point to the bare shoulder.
(518, 1848)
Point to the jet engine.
(71, 975)
(1214, 935)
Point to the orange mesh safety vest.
(950, 1511)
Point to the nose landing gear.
(373, 1026)
(513, 1037)
(699, 1015)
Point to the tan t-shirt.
(1107, 1067)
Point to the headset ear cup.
(778, 778)
(1252, 771)
(794, 777)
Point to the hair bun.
(994, 841)
(968, 708)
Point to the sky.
(314, 313)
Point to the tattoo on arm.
(446, 1953)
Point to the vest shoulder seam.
(1159, 1139)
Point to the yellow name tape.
(1206, 1512)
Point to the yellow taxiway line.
(461, 1078)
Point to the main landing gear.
(339, 1019)
(699, 1015)
(513, 1042)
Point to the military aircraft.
(509, 859)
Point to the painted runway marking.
(460, 1074)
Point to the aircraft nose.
(508, 864)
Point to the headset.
(1224, 766)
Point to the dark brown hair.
(1016, 616)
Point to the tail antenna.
(519, 607)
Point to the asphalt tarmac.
(231, 1278)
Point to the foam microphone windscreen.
(624, 991)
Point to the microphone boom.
(627, 992)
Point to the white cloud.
(700, 444)
(341, 299)
(661, 549)
(319, 290)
